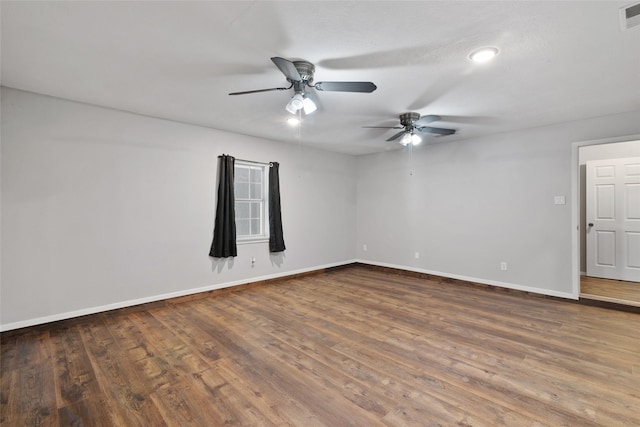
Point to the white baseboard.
(475, 280)
(131, 303)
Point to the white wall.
(472, 204)
(102, 209)
(617, 150)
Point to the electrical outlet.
(503, 266)
(364, 248)
(417, 255)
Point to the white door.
(613, 218)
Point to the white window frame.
(264, 202)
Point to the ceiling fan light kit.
(299, 102)
(410, 138)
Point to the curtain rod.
(253, 161)
(250, 161)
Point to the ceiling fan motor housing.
(305, 69)
(407, 119)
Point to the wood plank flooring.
(616, 291)
(352, 346)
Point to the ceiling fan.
(300, 75)
(412, 124)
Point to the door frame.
(575, 203)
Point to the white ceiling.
(558, 61)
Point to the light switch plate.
(559, 200)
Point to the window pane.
(242, 227)
(255, 210)
(256, 191)
(242, 210)
(256, 175)
(241, 190)
(241, 174)
(255, 226)
(250, 190)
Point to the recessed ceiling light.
(293, 121)
(483, 54)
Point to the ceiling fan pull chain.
(410, 159)
(300, 137)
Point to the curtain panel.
(224, 233)
(276, 238)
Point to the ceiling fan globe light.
(406, 139)
(290, 108)
(297, 101)
(415, 139)
(308, 105)
(294, 104)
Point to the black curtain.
(276, 239)
(224, 233)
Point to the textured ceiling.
(558, 61)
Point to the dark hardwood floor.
(353, 346)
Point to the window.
(250, 188)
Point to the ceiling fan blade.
(260, 90)
(437, 131)
(383, 127)
(366, 87)
(425, 120)
(396, 136)
(287, 68)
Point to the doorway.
(585, 286)
(613, 218)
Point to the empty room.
(320, 213)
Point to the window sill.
(252, 240)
